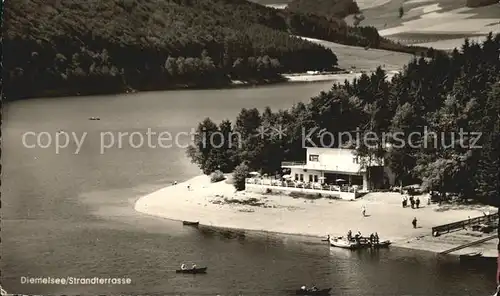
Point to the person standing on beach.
(414, 222)
(363, 211)
(417, 202)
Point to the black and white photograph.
(250, 148)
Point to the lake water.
(72, 214)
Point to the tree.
(239, 175)
(437, 95)
(202, 151)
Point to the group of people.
(374, 239)
(313, 289)
(414, 202)
(356, 237)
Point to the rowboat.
(309, 292)
(477, 259)
(497, 293)
(192, 270)
(341, 242)
(470, 256)
(190, 223)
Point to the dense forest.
(327, 8)
(445, 95)
(68, 47)
(479, 3)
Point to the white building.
(327, 165)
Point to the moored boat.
(190, 223)
(470, 256)
(477, 258)
(310, 292)
(192, 270)
(341, 242)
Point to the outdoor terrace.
(286, 185)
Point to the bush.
(239, 175)
(305, 195)
(217, 176)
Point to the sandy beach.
(339, 78)
(429, 20)
(217, 204)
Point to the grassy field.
(440, 24)
(358, 59)
(387, 15)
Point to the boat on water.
(468, 256)
(195, 270)
(327, 239)
(341, 242)
(190, 223)
(477, 259)
(311, 292)
(94, 118)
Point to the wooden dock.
(480, 241)
(446, 228)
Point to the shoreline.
(235, 84)
(217, 206)
(292, 79)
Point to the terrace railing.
(303, 185)
(292, 163)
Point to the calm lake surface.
(72, 214)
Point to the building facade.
(331, 165)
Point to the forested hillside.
(68, 47)
(327, 8)
(448, 95)
(98, 46)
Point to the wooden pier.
(480, 241)
(446, 228)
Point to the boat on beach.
(190, 223)
(310, 292)
(192, 270)
(342, 242)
